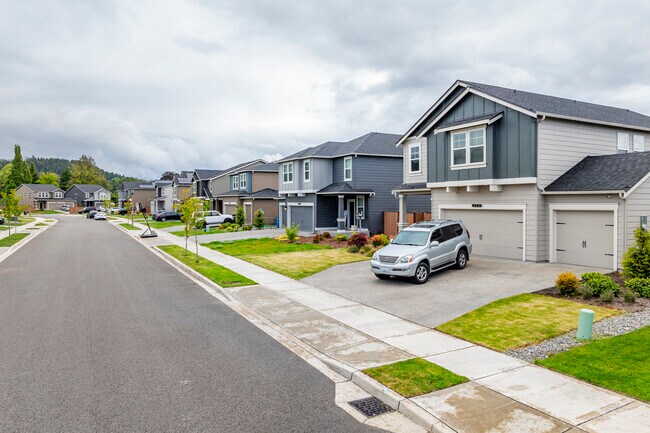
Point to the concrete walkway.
(503, 395)
(25, 228)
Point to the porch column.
(340, 220)
(402, 213)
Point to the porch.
(342, 208)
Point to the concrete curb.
(24, 241)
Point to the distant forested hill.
(57, 165)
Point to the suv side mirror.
(434, 244)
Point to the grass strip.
(619, 363)
(414, 377)
(129, 226)
(13, 239)
(261, 246)
(217, 273)
(520, 321)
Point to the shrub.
(358, 239)
(224, 226)
(327, 235)
(340, 238)
(640, 286)
(630, 296)
(585, 291)
(567, 283)
(365, 249)
(247, 228)
(316, 239)
(371, 252)
(599, 283)
(292, 232)
(353, 249)
(636, 261)
(230, 229)
(607, 296)
(240, 216)
(282, 238)
(379, 240)
(258, 222)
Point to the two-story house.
(181, 186)
(41, 197)
(341, 185)
(125, 191)
(533, 177)
(201, 183)
(253, 187)
(163, 199)
(220, 183)
(88, 195)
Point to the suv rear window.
(452, 231)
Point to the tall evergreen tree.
(19, 171)
(32, 172)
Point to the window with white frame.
(87, 195)
(242, 181)
(347, 168)
(639, 143)
(468, 148)
(414, 158)
(306, 171)
(623, 141)
(43, 195)
(235, 182)
(361, 207)
(287, 172)
(58, 194)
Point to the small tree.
(12, 207)
(259, 219)
(240, 216)
(636, 261)
(190, 210)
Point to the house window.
(306, 170)
(639, 143)
(87, 194)
(235, 182)
(414, 158)
(623, 141)
(468, 148)
(58, 195)
(347, 168)
(361, 207)
(242, 181)
(287, 172)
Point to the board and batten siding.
(563, 143)
(511, 195)
(420, 177)
(321, 175)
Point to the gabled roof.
(88, 188)
(373, 143)
(129, 185)
(411, 186)
(536, 104)
(265, 167)
(615, 173)
(343, 188)
(264, 193)
(183, 178)
(205, 174)
(39, 187)
(239, 166)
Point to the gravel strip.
(609, 327)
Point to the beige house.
(42, 197)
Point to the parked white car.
(213, 218)
(100, 216)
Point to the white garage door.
(302, 216)
(496, 233)
(585, 238)
(229, 209)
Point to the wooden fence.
(392, 218)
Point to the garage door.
(229, 209)
(303, 216)
(496, 233)
(585, 238)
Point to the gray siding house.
(341, 185)
(88, 195)
(520, 170)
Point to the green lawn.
(3, 228)
(47, 212)
(199, 232)
(12, 239)
(293, 260)
(414, 377)
(520, 321)
(40, 225)
(164, 224)
(217, 273)
(619, 363)
(129, 226)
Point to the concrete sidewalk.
(25, 228)
(503, 395)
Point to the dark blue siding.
(327, 208)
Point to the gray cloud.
(150, 86)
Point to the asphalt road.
(98, 334)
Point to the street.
(98, 334)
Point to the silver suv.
(423, 248)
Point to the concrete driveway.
(448, 293)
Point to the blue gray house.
(533, 177)
(341, 185)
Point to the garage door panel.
(585, 238)
(303, 216)
(496, 233)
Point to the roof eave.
(596, 192)
(597, 122)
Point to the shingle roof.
(342, 188)
(205, 174)
(88, 188)
(604, 173)
(184, 178)
(470, 119)
(373, 143)
(410, 186)
(129, 185)
(264, 193)
(562, 106)
(232, 193)
(270, 167)
(39, 187)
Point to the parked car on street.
(167, 216)
(100, 216)
(213, 218)
(2, 220)
(423, 248)
(91, 214)
(65, 208)
(87, 209)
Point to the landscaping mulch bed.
(325, 241)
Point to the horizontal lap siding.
(637, 205)
(511, 195)
(422, 176)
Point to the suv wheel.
(461, 259)
(228, 220)
(421, 273)
(163, 219)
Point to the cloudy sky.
(148, 86)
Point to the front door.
(350, 213)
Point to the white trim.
(345, 178)
(313, 212)
(244, 184)
(289, 172)
(411, 146)
(530, 113)
(305, 171)
(507, 181)
(597, 122)
(467, 148)
(442, 113)
(631, 190)
(521, 207)
(234, 170)
(580, 192)
(489, 121)
(553, 208)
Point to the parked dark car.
(87, 209)
(2, 220)
(91, 214)
(167, 216)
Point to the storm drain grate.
(370, 406)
